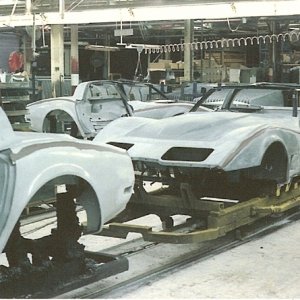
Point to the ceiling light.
(101, 48)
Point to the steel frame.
(212, 219)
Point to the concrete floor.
(268, 267)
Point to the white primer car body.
(93, 105)
(243, 141)
(30, 161)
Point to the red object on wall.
(15, 61)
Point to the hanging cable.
(142, 31)
(233, 42)
(229, 26)
(138, 68)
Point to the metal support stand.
(59, 263)
(211, 218)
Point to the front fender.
(250, 152)
(7, 186)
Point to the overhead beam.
(218, 10)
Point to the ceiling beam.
(213, 10)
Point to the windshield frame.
(230, 97)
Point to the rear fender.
(62, 115)
(40, 110)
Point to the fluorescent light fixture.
(80, 43)
(143, 46)
(101, 48)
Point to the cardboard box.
(234, 75)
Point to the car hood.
(207, 127)
(204, 126)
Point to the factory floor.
(267, 267)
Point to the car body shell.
(92, 106)
(28, 161)
(234, 140)
(91, 113)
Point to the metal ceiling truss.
(91, 11)
(162, 16)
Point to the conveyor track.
(169, 257)
(209, 218)
(215, 225)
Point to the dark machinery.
(56, 263)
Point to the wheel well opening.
(85, 199)
(275, 162)
(59, 121)
(53, 237)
